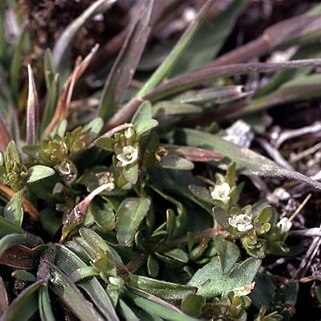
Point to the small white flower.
(284, 225)
(242, 222)
(128, 155)
(221, 193)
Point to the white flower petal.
(221, 193)
(128, 155)
(284, 225)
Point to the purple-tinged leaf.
(65, 97)
(21, 257)
(77, 215)
(32, 110)
(205, 75)
(196, 154)
(305, 29)
(126, 63)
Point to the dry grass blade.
(69, 33)
(124, 67)
(32, 110)
(4, 134)
(65, 97)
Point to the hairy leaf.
(248, 162)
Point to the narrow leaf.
(4, 302)
(126, 63)
(32, 110)
(248, 162)
(156, 306)
(69, 262)
(64, 100)
(197, 77)
(213, 32)
(164, 290)
(177, 51)
(62, 286)
(46, 313)
(24, 306)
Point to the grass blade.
(66, 37)
(45, 310)
(126, 63)
(204, 75)
(214, 32)
(24, 306)
(69, 262)
(64, 100)
(32, 110)
(71, 296)
(177, 51)
(4, 301)
(247, 161)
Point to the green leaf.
(4, 301)
(71, 296)
(211, 282)
(125, 311)
(103, 214)
(45, 309)
(163, 109)
(228, 253)
(173, 161)
(23, 275)
(38, 172)
(214, 32)
(176, 52)
(131, 173)
(24, 306)
(193, 304)
(127, 61)
(155, 306)
(152, 266)
(69, 262)
(11, 153)
(201, 192)
(129, 215)
(145, 126)
(248, 162)
(94, 127)
(164, 290)
(13, 210)
(142, 114)
(10, 240)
